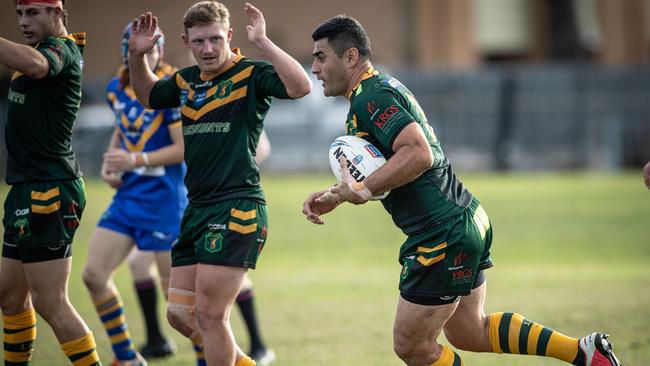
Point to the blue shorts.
(145, 239)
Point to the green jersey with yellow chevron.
(222, 120)
(380, 107)
(42, 112)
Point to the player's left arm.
(24, 59)
(293, 76)
(412, 157)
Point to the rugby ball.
(362, 157)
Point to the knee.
(48, 306)
(406, 348)
(210, 318)
(93, 279)
(181, 314)
(13, 302)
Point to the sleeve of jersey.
(165, 94)
(172, 117)
(56, 53)
(267, 81)
(383, 116)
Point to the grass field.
(571, 251)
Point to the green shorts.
(43, 214)
(230, 233)
(446, 260)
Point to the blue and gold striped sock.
(111, 312)
(19, 336)
(448, 358)
(512, 333)
(200, 357)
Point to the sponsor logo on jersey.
(386, 116)
(393, 82)
(213, 242)
(210, 127)
(372, 109)
(216, 227)
(15, 97)
(373, 151)
(199, 98)
(21, 212)
(184, 94)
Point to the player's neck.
(357, 76)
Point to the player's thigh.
(183, 277)
(217, 287)
(141, 264)
(107, 250)
(48, 281)
(415, 323)
(14, 292)
(467, 328)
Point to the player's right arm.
(143, 39)
(24, 59)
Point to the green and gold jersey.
(380, 107)
(222, 121)
(42, 112)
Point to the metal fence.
(494, 118)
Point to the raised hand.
(257, 29)
(143, 34)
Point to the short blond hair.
(206, 12)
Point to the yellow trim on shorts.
(46, 209)
(242, 229)
(44, 196)
(243, 215)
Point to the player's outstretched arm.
(293, 76)
(24, 59)
(142, 40)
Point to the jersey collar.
(366, 75)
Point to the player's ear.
(186, 41)
(351, 57)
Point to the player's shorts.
(116, 219)
(230, 233)
(42, 216)
(447, 261)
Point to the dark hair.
(64, 14)
(342, 33)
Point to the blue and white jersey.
(152, 197)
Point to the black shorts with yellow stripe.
(231, 233)
(42, 215)
(447, 260)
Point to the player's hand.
(111, 178)
(118, 160)
(143, 34)
(257, 29)
(350, 190)
(319, 203)
(646, 175)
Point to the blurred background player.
(144, 162)
(47, 197)
(224, 100)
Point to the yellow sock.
(82, 351)
(448, 358)
(512, 333)
(19, 336)
(245, 361)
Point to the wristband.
(363, 191)
(145, 158)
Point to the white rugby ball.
(362, 157)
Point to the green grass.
(571, 252)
